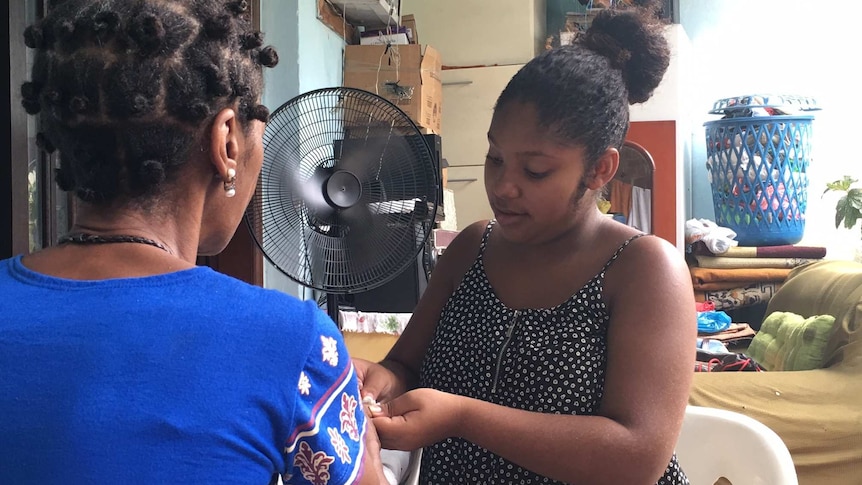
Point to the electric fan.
(347, 194)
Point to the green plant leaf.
(840, 207)
(854, 197)
(848, 209)
(842, 185)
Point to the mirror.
(630, 191)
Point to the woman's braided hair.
(583, 91)
(125, 87)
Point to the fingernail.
(375, 408)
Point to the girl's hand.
(418, 418)
(375, 380)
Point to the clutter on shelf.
(732, 276)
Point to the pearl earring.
(230, 183)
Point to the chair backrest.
(713, 444)
(716, 443)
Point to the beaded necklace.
(84, 238)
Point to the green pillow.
(810, 344)
(764, 337)
(787, 341)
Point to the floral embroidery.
(340, 446)
(304, 384)
(314, 466)
(330, 350)
(348, 416)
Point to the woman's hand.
(419, 418)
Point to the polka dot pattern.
(549, 360)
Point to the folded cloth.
(727, 262)
(704, 306)
(739, 297)
(785, 251)
(699, 276)
(736, 331)
(720, 286)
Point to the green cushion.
(787, 341)
(810, 351)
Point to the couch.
(818, 412)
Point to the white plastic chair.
(713, 443)
(716, 443)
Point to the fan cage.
(358, 248)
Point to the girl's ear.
(604, 169)
(224, 146)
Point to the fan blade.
(366, 157)
(310, 191)
(361, 234)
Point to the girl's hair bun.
(632, 39)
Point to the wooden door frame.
(659, 139)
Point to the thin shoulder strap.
(620, 250)
(485, 236)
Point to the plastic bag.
(717, 239)
(712, 322)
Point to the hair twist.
(268, 57)
(123, 87)
(252, 40)
(34, 37)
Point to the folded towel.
(700, 276)
(739, 297)
(784, 251)
(728, 262)
(723, 285)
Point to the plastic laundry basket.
(757, 163)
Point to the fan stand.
(342, 190)
(332, 308)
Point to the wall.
(479, 32)
(310, 57)
(320, 51)
(468, 100)
(779, 46)
(482, 44)
(282, 81)
(669, 103)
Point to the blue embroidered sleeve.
(327, 444)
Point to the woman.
(552, 344)
(122, 361)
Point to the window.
(39, 211)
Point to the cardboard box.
(383, 39)
(409, 22)
(406, 75)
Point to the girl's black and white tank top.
(547, 360)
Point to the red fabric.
(704, 306)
